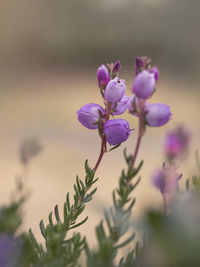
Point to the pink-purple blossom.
(89, 115)
(177, 142)
(115, 90)
(157, 114)
(116, 131)
(103, 76)
(166, 180)
(144, 84)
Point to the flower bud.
(177, 142)
(103, 76)
(144, 84)
(115, 90)
(121, 106)
(132, 104)
(139, 64)
(116, 131)
(166, 180)
(155, 71)
(157, 114)
(89, 115)
(116, 67)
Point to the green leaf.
(57, 214)
(114, 147)
(42, 229)
(78, 224)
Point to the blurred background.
(49, 53)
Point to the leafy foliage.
(61, 250)
(117, 219)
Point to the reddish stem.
(140, 133)
(103, 138)
(102, 151)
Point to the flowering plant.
(171, 235)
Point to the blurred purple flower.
(144, 84)
(116, 131)
(103, 76)
(89, 115)
(121, 106)
(157, 114)
(29, 148)
(10, 251)
(177, 142)
(166, 180)
(115, 90)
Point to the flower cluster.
(94, 116)
(156, 114)
(112, 88)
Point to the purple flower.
(177, 142)
(115, 90)
(89, 115)
(157, 114)
(155, 71)
(121, 106)
(144, 84)
(116, 131)
(116, 67)
(10, 251)
(166, 180)
(103, 76)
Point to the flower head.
(103, 76)
(115, 90)
(144, 84)
(157, 114)
(89, 115)
(177, 142)
(166, 180)
(116, 131)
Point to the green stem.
(165, 203)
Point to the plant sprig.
(117, 219)
(57, 247)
